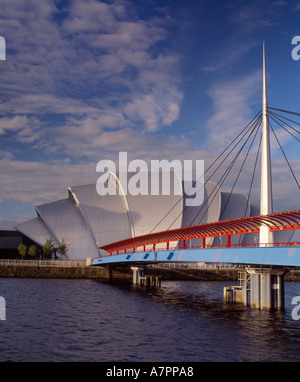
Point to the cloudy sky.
(160, 79)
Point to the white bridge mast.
(266, 199)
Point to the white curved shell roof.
(88, 220)
(35, 229)
(154, 213)
(65, 221)
(106, 216)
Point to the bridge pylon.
(266, 197)
(267, 286)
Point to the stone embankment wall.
(88, 272)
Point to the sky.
(158, 79)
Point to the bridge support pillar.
(137, 273)
(109, 272)
(149, 281)
(238, 293)
(266, 288)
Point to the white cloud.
(232, 102)
(96, 61)
(88, 81)
(252, 16)
(24, 128)
(36, 183)
(297, 8)
(230, 55)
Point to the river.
(88, 320)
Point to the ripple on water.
(86, 320)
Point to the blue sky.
(159, 79)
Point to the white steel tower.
(266, 204)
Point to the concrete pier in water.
(261, 288)
(139, 278)
(267, 288)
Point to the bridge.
(266, 261)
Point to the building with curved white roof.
(88, 220)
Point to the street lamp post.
(67, 244)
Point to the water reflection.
(263, 329)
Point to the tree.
(48, 248)
(32, 251)
(22, 250)
(62, 247)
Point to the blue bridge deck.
(274, 256)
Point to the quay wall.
(122, 273)
(81, 272)
(89, 272)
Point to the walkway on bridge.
(143, 249)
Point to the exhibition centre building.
(87, 220)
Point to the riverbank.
(79, 272)
(119, 273)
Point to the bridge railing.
(165, 240)
(172, 248)
(51, 263)
(244, 245)
(195, 265)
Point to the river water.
(88, 320)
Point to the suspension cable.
(225, 174)
(279, 116)
(258, 115)
(275, 120)
(251, 183)
(253, 173)
(254, 125)
(284, 156)
(243, 163)
(247, 128)
(227, 171)
(285, 111)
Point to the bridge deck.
(273, 256)
(136, 250)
